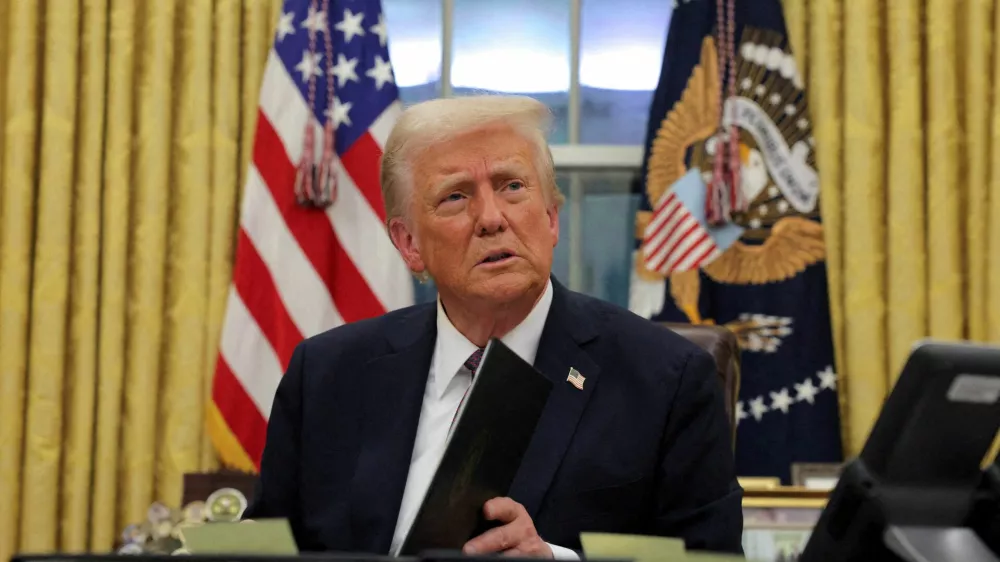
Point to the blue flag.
(763, 273)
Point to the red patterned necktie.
(472, 363)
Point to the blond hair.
(430, 122)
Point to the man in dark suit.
(360, 418)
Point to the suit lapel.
(391, 400)
(561, 348)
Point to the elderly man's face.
(480, 221)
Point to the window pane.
(514, 46)
(621, 50)
(415, 47)
(608, 234)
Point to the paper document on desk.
(642, 548)
(637, 547)
(264, 536)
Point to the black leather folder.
(491, 434)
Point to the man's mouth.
(497, 257)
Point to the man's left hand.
(516, 537)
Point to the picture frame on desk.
(778, 520)
(816, 476)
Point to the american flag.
(678, 238)
(300, 269)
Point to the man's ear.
(553, 212)
(406, 243)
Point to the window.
(621, 50)
(415, 45)
(600, 100)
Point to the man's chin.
(506, 286)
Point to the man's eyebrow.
(508, 168)
(451, 181)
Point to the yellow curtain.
(906, 104)
(126, 129)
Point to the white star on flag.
(350, 25)
(827, 378)
(309, 65)
(286, 26)
(381, 30)
(315, 21)
(781, 400)
(381, 72)
(344, 70)
(741, 413)
(757, 408)
(340, 113)
(806, 391)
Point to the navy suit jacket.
(644, 448)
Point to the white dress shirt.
(447, 383)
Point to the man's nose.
(490, 218)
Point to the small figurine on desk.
(160, 533)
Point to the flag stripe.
(382, 126)
(249, 355)
(313, 232)
(379, 262)
(671, 217)
(227, 444)
(256, 287)
(684, 241)
(710, 252)
(701, 241)
(362, 163)
(670, 237)
(243, 419)
(662, 215)
(296, 280)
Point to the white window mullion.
(576, 280)
(596, 156)
(447, 45)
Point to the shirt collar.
(452, 348)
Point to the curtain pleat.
(992, 256)
(182, 401)
(824, 86)
(976, 42)
(944, 188)
(150, 211)
(226, 167)
(46, 387)
(105, 515)
(906, 243)
(17, 191)
(864, 205)
(81, 375)
(257, 24)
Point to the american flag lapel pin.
(575, 378)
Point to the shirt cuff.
(562, 553)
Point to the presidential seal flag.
(729, 228)
(312, 250)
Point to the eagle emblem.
(780, 230)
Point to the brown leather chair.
(722, 344)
